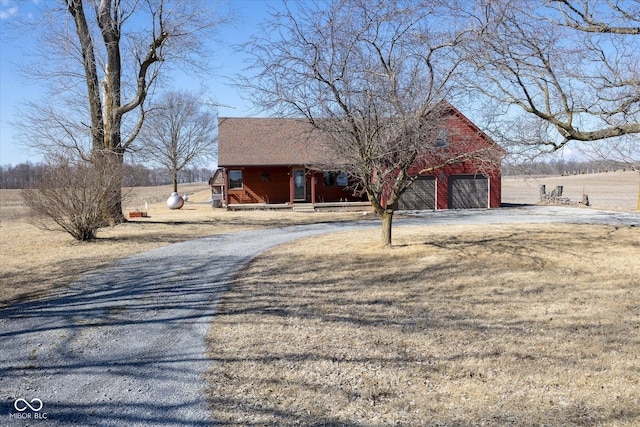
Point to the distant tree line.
(563, 167)
(25, 175)
(137, 175)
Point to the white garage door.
(421, 195)
(468, 192)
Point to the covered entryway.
(299, 185)
(421, 195)
(468, 191)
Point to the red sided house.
(273, 161)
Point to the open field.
(456, 325)
(34, 261)
(612, 190)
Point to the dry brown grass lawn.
(459, 326)
(35, 261)
(501, 325)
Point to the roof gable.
(475, 129)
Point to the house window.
(329, 179)
(342, 180)
(335, 179)
(442, 139)
(235, 180)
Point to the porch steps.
(304, 208)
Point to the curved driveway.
(125, 346)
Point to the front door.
(299, 185)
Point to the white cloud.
(8, 12)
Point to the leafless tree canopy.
(100, 60)
(572, 65)
(372, 75)
(179, 130)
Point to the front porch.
(304, 207)
(274, 187)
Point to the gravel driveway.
(125, 346)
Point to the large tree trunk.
(115, 214)
(107, 153)
(386, 213)
(113, 206)
(109, 164)
(387, 219)
(75, 8)
(109, 24)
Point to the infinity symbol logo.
(21, 405)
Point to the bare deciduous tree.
(571, 65)
(374, 77)
(178, 131)
(102, 58)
